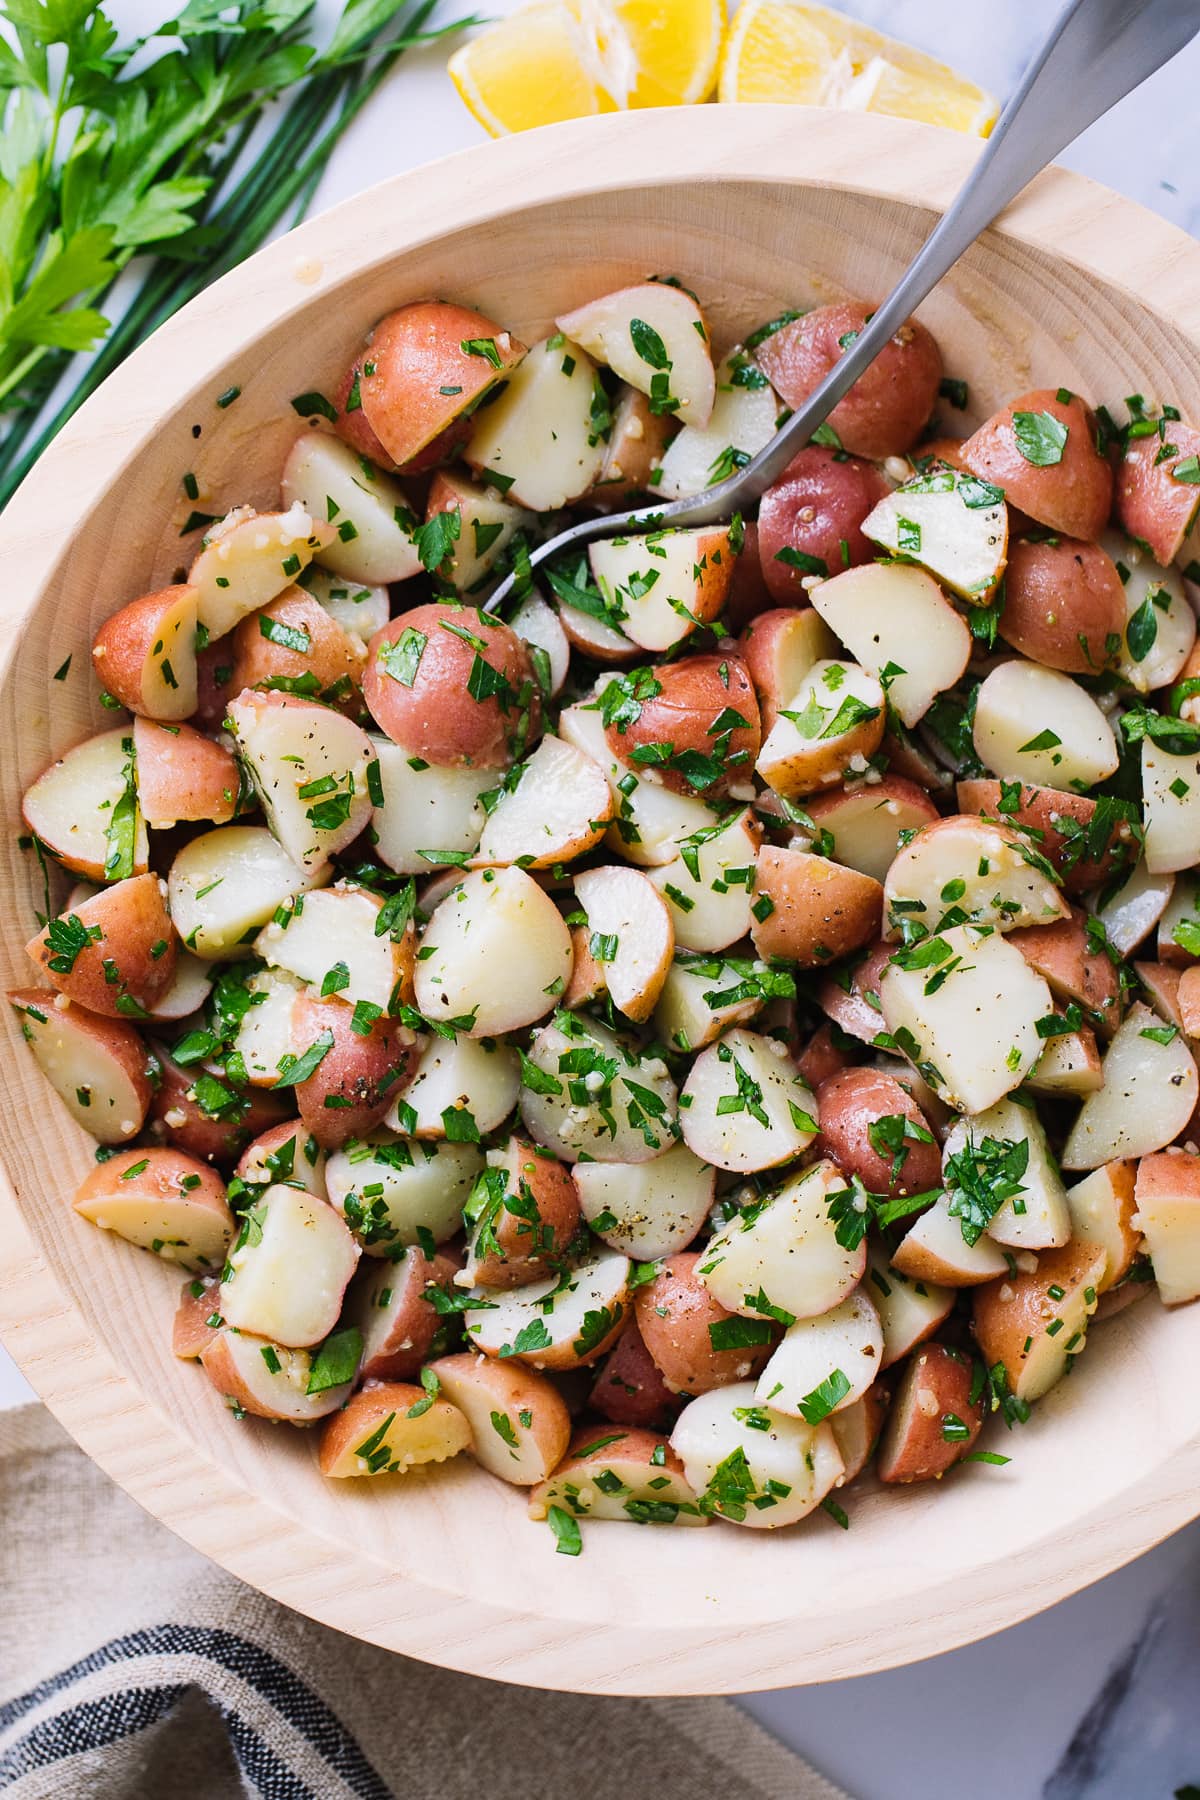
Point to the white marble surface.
(1008, 1719)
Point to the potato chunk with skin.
(1102, 1208)
(289, 1269)
(991, 873)
(161, 1200)
(829, 1361)
(539, 434)
(935, 1250)
(690, 1013)
(808, 910)
(145, 654)
(785, 1252)
(520, 1426)
(425, 808)
(1171, 809)
(1035, 1218)
(225, 883)
(84, 809)
(764, 1478)
(247, 558)
(894, 617)
(552, 1325)
(865, 823)
(453, 686)
(624, 1475)
(1037, 725)
(664, 585)
(181, 776)
(400, 1190)
(694, 1342)
(331, 942)
(708, 886)
(455, 1076)
(630, 922)
(296, 640)
(909, 1310)
(651, 819)
(499, 946)
(309, 766)
(1168, 1216)
(487, 522)
(974, 1037)
(1149, 1094)
(647, 1210)
(588, 1093)
(744, 1105)
(115, 952)
(933, 1422)
(1035, 1323)
(829, 729)
(1130, 914)
(1158, 630)
(364, 506)
(742, 419)
(953, 525)
(98, 1067)
(376, 1432)
(1157, 498)
(654, 337)
(559, 809)
(523, 1216)
(269, 1381)
(389, 1303)
(1041, 449)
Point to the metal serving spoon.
(1096, 52)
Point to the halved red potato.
(830, 728)
(647, 1210)
(1170, 809)
(366, 508)
(558, 810)
(524, 1215)
(624, 1475)
(1065, 955)
(895, 619)
(269, 1381)
(357, 608)
(856, 1431)
(191, 1109)
(1102, 1208)
(310, 769)
(752, 1466)
(1167, 1195)
(969, 869)
(932, 1422)
(826, 1363)
(786, 1253)
(634, 450)
(629, 1388)
(224, 885)
(1158, 489)
(551, 1324)
(909, 1311)
(247, 558)
(1037, 1217)
(951, 524)
(453, 687)
(889, 405)
(284, 1152)
(810, 520)
(425, 809)
(182, 775)
(457, 1076)
(707, 887)
(1161, 982)
(690, 1012)
(663, 585)
(696, 1343)
(540, 629)
(651, 819)
(654, 337)
(1087, 849)
(392, 1193)
(821, 1057)
(389, 1427)
(520, 1426)
(539, 439)
(357, 1072)
(973, 1037)
(1068, 1066)
(1149, 1094)
(744, 1106)
(389, 1302)
(196, 1320)
(352, 427)
(425, 365)
(289, 1269)
(84, 809)
(329, 940)
(742, 423)
(145, 654)
(596, 637)
(161, 1200)
(1035, 1323)
(190, 988)
(98, 1067)
(486, 523)
(851, 998)
(1041, 449)
(779, 649)
(499, 945)
(861, 826)
(935, 1250)
(809, 910)
(694, 722)
(1013, 740)
(873, 1129)
(1064, 605)
(295, 646)
(115, 952)
(631, 934)
(585, 1092)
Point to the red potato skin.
(587, 981)
(1073, 496)
(888, 407)
(254, 1156)
(1151, 504)
(759, 649)
(820, 1058)
(629, 1389)
(333, 655)
(114, 1036)
(362, 1074)
(132, 920)
(1043, 810)
(191, 1334)
(817, 506)
(412, 1323)
(635, 449)
(1061, 953)
(183, 776)
(853, 1012)
(529, 1251)
(823, 808)
(848, 1104)
(414, 354)
(1064, 604)
(352, 428)
(936, 1381)
(673, 1313)
(178, 1120)
(822, 911)
(161, 1179)
(214, 684)
(123, 644)
(694, 693)
(748, 593)
(436, 717)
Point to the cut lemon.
(814, 56)
(567, 59)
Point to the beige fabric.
(229, 1694)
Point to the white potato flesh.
(750, 1476)
(459, 1076)
(72, 808)
(361, 611)
(909, 1311)
(190, 987)
(650, 820)
(501, 953)
(954, 525)
(1132, 912)
(539, 432)
(1184, 905)
(1170, 809)
(818, 737)
(278, 1385)
(391, 1192)
(576, 1110)
(846, 1341)
(974, 1038)
(264, 1036)
(745, 1105)
(865, 823)
(289, 1269)
(227, 883)
(308, 764)
(1037, 725)
(615, 1482)
(1168, 1216)
(595, 636)
(1038, 1217)
(330, 938)
(1100, 1212)
(558, 810)
(614, 330)
(285, 1153)
(248, 558)
(630, 922)
(193, 1233)
(686, 1017)
(1149, 1094)
(598, 1284)
(539, 627)
(425, 809)
(326, 478)
(656, 1207)
(656, 582)
(785, 1251)
(891, 613)
(1069, 1065)
(934, 1249)
(742, 419)
(987, 871)
(93, 1084)
(711, 908)
(487, 524)
(1165, 631)
(517, 1420)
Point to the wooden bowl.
(757, 208)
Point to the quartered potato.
(1102, 1208)
(1036, 1323)
(365, 507)
(523, 1216)
(888, 408)
(933, 1421)
(181, 775)
(558, 808)
(654, 337)
(538, 438)
(287, 1271)
(742, 423)
(910, 1309)
(630, 1475)
(272, 1381)
(161, 1200)
(584, 1092)
(422, 811)
(310, 769)
(387, 1428)
(954, 525)
(99, 1068)
(145, 655)
(331, 940)
(647, 1210)
(829, 729)
(486, 525)
(651, 820)
(1171, 808)
(1037, 725)
(662, 586)
(85, 810)
(247, 558)
(458, 1076)
(630, 933)
(392, 1191)
(557, 1322)
(785, 1260)
(968, 870)
(225, 885)
(1064, 605)
(708, 886)
(1149, 1094)
(835, 1354)
(496, 953)
(750, 1465)
(1036, 1215)
(1167, 1196)
(520, 1426)
(744, 1106)
(864, 825)
(810, 911)
(779, 648)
